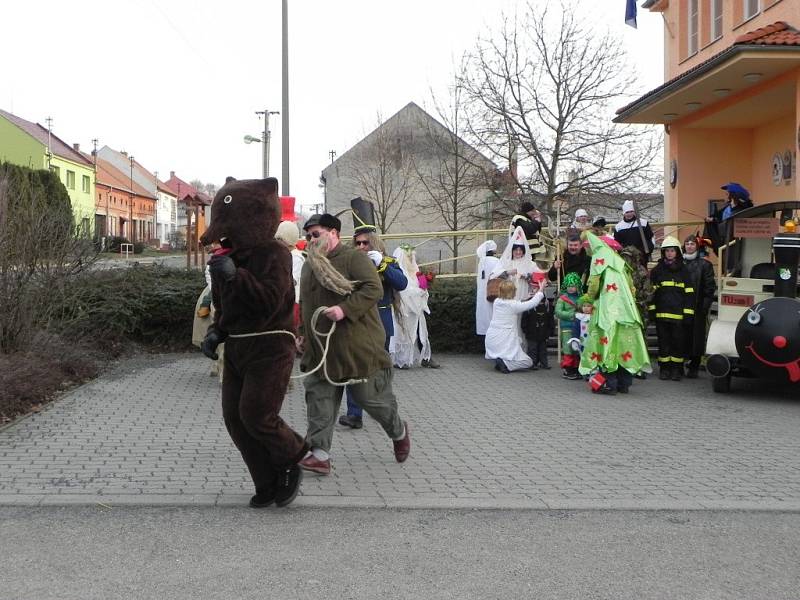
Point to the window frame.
(86, 184)
(746, 4)
(692, 29)
(715, 20)
(70, 180)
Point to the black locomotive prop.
(757, 332)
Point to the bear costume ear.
(270, 186)
(229, 179)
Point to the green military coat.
(357, 346)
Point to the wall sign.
(777, 168)
(755, 228)
(673, 173)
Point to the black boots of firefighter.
(669, 371)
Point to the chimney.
(786, 247)
(77, 147)
(172, 174)
(124, 153)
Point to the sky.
(176, 83)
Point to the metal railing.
(660, 230)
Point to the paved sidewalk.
(150, 432)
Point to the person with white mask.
(487, 262)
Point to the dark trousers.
(670, 343)
(254, 385)
(537, 350)
(620, 379)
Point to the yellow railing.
(670, 226)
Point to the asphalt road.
(92, 552)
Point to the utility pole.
(332, 154)
(49, 121)
(266, 139)
(133, 229)
(285, 99)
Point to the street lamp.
(264, 139)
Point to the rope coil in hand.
(317, 335)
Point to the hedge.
(452, 320)
(150, 305)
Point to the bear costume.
(253, 291)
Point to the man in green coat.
(345, 281)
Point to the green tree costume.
(615, 329)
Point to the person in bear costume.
(253, 292)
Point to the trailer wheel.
(721, 385)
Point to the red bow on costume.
(626, 356)
(604, 340)
(599, 261)
(611, 286)
(595, 356)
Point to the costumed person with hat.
(410, 345)
(503, 343)
(701, 276)
(565, 311)
(672, 308)
(366, 239)
(289, 234)
(530, 220)
(341, 286)
(614, 349)
(487, 262)
(632, 230)
(719, 229)
(580, 223)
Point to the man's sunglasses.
(313, 234)
(362, 242)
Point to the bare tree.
(544, 88)
(380, 170)
(206, 188)
(454, 178)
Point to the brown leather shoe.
(313, 464)
(402, 448)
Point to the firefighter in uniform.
(672, 308)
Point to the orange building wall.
(768, 140)
(709, 158)
(675, 16)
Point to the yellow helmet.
(670, 242)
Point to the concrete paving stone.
(540, 441)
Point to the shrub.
(114, 242)
(151, 305)
(138, 247)
(451, 323)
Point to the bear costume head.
(245, 214)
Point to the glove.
(210, 343)
(222, 268)
(375, 256)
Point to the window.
(85, 183)
(57, 171)
(71, 180)
(716, 19)
(692, 27)
(751, 8)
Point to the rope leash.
(317, 335)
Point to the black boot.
(677, 372)
(288, 485)
(351, 421)
(664, 372)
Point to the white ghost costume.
(412, 326)
(525, 267)
(486, 264)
